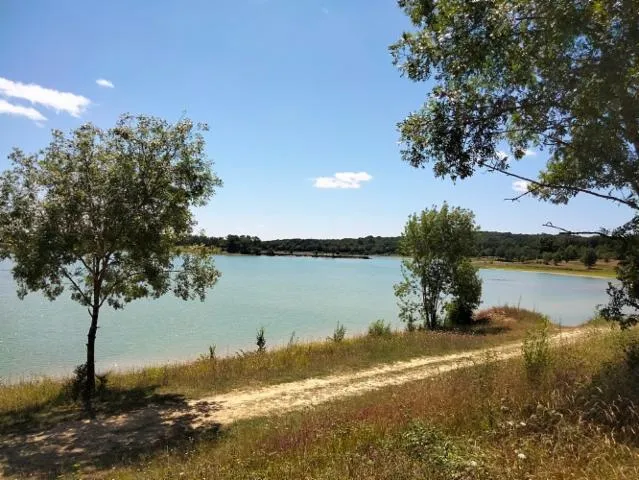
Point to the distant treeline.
(504, 246)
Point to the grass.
(600, 270)
(484, 422)
(40, 403)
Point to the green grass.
(40, 403)
(600, 270)
(484, 422)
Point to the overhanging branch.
(539, 185)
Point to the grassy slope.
(33, 404)
(491, 421)
(600, 270)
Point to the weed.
(536, 352)
(338, 334)
(260, 340)
(379, 328)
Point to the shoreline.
(569, 273)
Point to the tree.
(589, 258)
(557, 258)
(559, 76)
(436, 245)
(465, 292)
(99, 212)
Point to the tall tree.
(561, 76)
(99, 212)
(436, 246)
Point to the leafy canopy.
(100, 211)
(560, 76)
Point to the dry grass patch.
(485, 422)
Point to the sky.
(301, 98)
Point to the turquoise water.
(303, 295)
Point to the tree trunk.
(89, 386)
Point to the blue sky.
(294, 92)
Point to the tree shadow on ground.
(132, 423)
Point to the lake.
(307, 296)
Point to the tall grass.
(33, 400)
(579, 424)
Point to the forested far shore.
(509, 247)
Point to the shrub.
(338, 334)
(458, 313)
(589, 258)
(260, 340)
(379, 328)
(557, 258)
(76, 385)
(536, 353)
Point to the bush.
(557, 258)
(76, 385)
(260, 340)
(536, 353)
(338, 334)
(379, 328)
(589, 258)
(458, 313)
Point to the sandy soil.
(99, 443)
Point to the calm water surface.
(284, 294)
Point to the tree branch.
(630, 203)
(565, 231)
(76, 286)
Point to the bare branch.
(630, 203)
(527, 192)
(76, 286)
(565, 231)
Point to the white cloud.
(343, 180)
(59, 101)
(530, 153)
(20, 111)
(521, 186)
(103, 82)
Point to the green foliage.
(589, 258)
(501, 245)
(427, 443)
(338, 334)
(99, 212)
(623, 306)
(559, 76)
(557, 258)
(466, 293)
(77, 384)
(536, 353)
(379, 328)
(260, 340)
(436, 245)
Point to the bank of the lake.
(600, 270)
(284, 294)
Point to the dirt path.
(85, 443)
